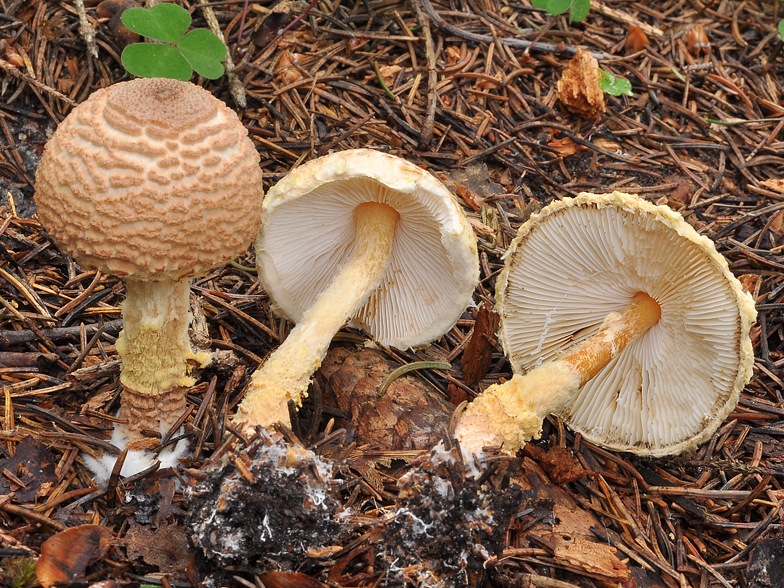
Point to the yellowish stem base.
(155, 349)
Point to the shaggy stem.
(286, 374)
(512, 413)
(155, 349)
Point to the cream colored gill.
(307, 239)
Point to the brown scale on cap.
(135, 179)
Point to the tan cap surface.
(151, 178)
(308, 230)
(581, 259)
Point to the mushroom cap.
(308, 230)
(583, 258)
(152, 178)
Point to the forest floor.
(464, 98)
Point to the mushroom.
(625, 322)
(153, 180)
(357, 236)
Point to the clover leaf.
(179, 53)
(578, 9)
(781, 29)
(612, 84)
(163, 22)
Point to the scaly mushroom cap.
(148, 177)
(308, 229)
(583, 258)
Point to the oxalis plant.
(578, 10)
(614, 85)
(177, 53)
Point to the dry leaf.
(10, 54)
(774, 184)
(636, 40)
(557, 462)
(268, 28)
(778, 222)
(452, 54)
(578, 89)
(608, 144)
(287, 73)
(66, 555)
(750, 283)
(682, 193)
(388, 74)
(481, 229)
(697, 41)
(478, 354)
(566, 146)
(473, 200)
(113, 10)
(475, 179)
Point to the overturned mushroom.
(156, 181)
(356, 236)
(625, 322)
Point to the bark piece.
(578, 89)
(478, 354)
(766, 565)
(568, 530)
(410, 414)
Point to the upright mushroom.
(156, 181)
(357, 236)
(625, 322)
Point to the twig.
(432, 75)
(86, 29)
(518, 43)
(15, 72)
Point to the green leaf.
(614, 85)
(553, 7)
(204, 51)
(781, 28)
(163, 22)
(156, 60)
(579, 10)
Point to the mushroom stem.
(286, 374)
(590, 357)
(512, 413)
(155, 348)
